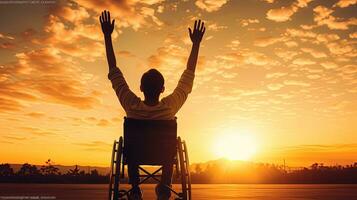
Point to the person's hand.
(198, 31)
(107, 27)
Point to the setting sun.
(236, 145)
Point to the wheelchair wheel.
(183, 163)
(114, 175)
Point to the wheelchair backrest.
(149, 142)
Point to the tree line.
(227, 172)
(49, 173)
(220, 171)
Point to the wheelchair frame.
(117, 169)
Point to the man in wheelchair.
(151, 108)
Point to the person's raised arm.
(107, 28)
(196, 37)
(185, 84)
(121, 88)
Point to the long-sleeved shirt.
(164, 110)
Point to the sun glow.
(235, 145)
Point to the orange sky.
(281, 71)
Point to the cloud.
(291, 44)
(296, 83)
(300, 33)
(353, 35)
(349, 69)
(266, 41)
(285, 54)
(275, 75)
(160, 9)
(261, 29)
(36, 114)
(246, 22)
(6, 42)
(14, 138)
(269, 1)
(252, 92)
(275, 86)
(74, 22)
(234, 44)
(7, 45)
(325, 38)
(329, 65)
(95, 146)
(37, 131)
(4, 36)
(281, 14)
(88, 45)
(98, 121)
(210, 5)
(311, 36)
(7, 104)
(314, 53)
(345, 3)
(341, 48)
(48, 72)
(307, 27)
(323, 16)
(303, 61)
(103, 122)
(216, 27)
(232, 60)
(284, 13)
(313, 76)
(257, 58)
(123, 53)
(130, 13)
(46, 76)
(13, 94)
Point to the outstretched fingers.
(103, 18)
(113, 22)
(202, 26)
(198, 25)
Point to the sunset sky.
(280, 74)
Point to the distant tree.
(49, 169)
(28, 170)
(94, 172)
(82, 173)
(73, 172)
(198, 169)
(6, 170)
(315, 166)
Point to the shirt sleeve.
(125, 95)
(180, 94)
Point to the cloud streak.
(285, 13)
(210, 5)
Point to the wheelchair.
(148, 143)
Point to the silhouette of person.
(152, 85)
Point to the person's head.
(152, 84)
